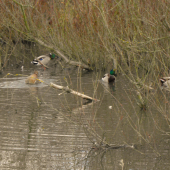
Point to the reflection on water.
(20, 83)
(40, 129)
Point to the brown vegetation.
(92, 32)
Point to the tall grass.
(94, 32)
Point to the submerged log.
(68, 90)
(111, 146)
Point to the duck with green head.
(109, 77)
(43, 59)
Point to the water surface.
(45, 128)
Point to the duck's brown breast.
(31, 79)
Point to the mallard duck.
(109, 78)
(113, 72)
(165, 81)
(32, 79)
(43, 59)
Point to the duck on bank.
(43, 59)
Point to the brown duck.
(32, 79)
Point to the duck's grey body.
(108, 78)
(43, 59)
(165, 81)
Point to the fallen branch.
(42, 64)
(68, 90)
(75, 63)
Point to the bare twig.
(68, 90)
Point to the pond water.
(45, 128)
